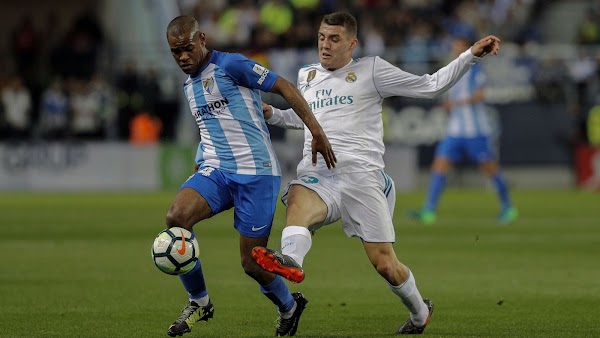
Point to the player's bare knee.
(294, 208)
(385, 268)
(489, 168)
(250, 267)
(176, 218)
(441, 165)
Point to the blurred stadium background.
(91, 85)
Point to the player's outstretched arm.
(267, 111)
(488, 45)
(320, 143)
(282, 118)
(392, 81)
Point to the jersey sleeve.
(392, 81)
(249, 73)
(287, 119)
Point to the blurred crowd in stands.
(58, 87)
(420, 27)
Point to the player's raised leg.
(188, 208)
(304, 208)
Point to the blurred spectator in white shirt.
(17, 104)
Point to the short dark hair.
(183, 24)
(467, 40)
(342, 19)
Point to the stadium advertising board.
(67, 166)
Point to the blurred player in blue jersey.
(468, 135)
(236, 164)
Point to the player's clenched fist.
(488, 45)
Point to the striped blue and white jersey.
(468, 120)
(224, 98)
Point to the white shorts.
(364, 201)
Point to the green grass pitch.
(79, 265)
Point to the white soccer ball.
(175, 251)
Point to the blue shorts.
(254, 198)
(477, 149)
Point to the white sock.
(202, 301)
(296, 242)
(411, 298)
(288, 314)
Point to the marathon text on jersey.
(211, 109)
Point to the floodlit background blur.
(91, 87)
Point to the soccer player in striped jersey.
(468, 135)
(346, 96)
(236, 163)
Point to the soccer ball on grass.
(175, 251)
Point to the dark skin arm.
(320, 143)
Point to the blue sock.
(436, 187)
(278, 292)
(502, 190)
(193, 281)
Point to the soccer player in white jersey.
(346, 97)
(468, 135)
(236, 164)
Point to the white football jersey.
(347, 102)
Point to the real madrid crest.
(208, 85)
(311, 75)
(351, 77)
